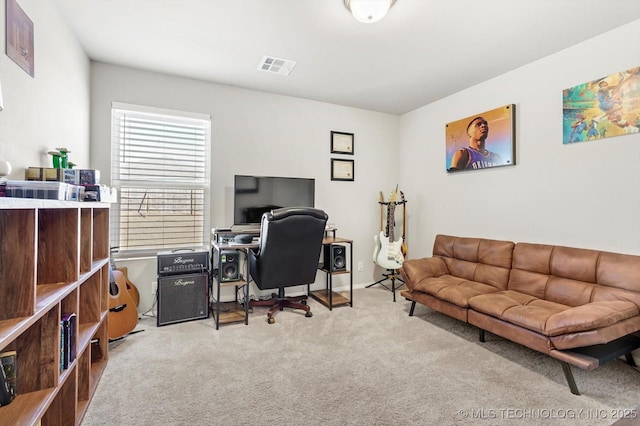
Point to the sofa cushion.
(532, 257)
(477, 250)
(551, 318)
(453, 289)
(605, 293)
(476, 259)
(589, 317)
(574, 276)
(618, 272)
(574, 263)
(569, 292)
(517, 308)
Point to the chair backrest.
(289, 250)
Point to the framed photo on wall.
(19, 37)
(342, 169)
(341, 143)
(482, 141)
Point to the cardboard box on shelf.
(72, 176)
(44, 174)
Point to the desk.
(227, 312)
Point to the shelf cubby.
(86, 240)
(90, 299)
(62, 410)
(17, 263)
(57, 246)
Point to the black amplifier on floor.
(183, 261)
(182, 297)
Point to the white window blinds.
(160, 167)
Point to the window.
(160, 168)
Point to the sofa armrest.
(415, 270)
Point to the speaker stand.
(391, 275)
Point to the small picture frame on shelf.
(341, 143)
(342, 169)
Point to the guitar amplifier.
(182, 298)
(182, 261)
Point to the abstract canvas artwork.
(602, 108)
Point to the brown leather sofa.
(579, 306)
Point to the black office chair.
(288, 255)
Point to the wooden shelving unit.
(54, 259)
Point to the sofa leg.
(566, 368)
(630, 360)
(413, 306)
(481, 336)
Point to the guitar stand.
(392, 275)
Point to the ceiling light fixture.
(369, 11)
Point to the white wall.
(583, 195)
(264, 134)
(51, 109)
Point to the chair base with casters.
(278, 302)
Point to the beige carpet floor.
(370, 364)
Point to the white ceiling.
(422, 51)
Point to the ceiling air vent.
(276, 65)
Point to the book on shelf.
(96, 350)
(5, 392)
(68, 340)
(61, 346)
(8, 377)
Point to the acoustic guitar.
(123, 314)
(131, 287)
(404, 221)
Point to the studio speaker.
(229, 268)
(182, 298)
(335, 258)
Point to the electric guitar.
(390, 254)
(123, 314)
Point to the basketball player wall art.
(482, 141)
